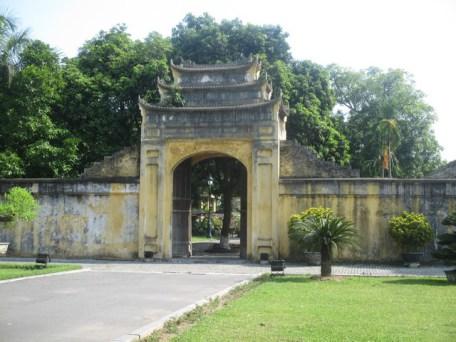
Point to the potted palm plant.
(301, 251)
(17, 204)
(411, 231)
(447, 247)
(325, 232)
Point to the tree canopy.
(59, 114)
(373, 96)
(102, 85)
(203, 40)
(33, 144)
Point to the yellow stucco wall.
(100, 219)
(79, 220)
(369, 203)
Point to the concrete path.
(99, 304)
(111, 299)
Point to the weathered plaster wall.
(369, 203)
(445, 172)
(123, 163)
(78, 219)
(299, 161)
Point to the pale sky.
(417, 36)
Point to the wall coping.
(123, 180)
(285, 180)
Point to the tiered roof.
(214, 97)
(217, 85)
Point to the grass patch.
(177, 326)
(298, 308)
(20, 270)
(197, 238)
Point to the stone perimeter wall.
(369, 203)
(77, 219)
(93, 218)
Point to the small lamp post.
(210, 181)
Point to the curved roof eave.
(214, 67)
(149, 106)
(259, 83)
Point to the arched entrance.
(226, 109)
(191, 195)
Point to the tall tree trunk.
(326, 261)
(390, 164)
(227, 208)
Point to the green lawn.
(197, 238)
(297, 308)
(19, 270)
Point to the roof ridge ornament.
(192, 66)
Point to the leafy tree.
(12, 42)
(306, 87)
(11, 165)
(372, 95)
(227, 174)
(202, 40)
(33, 144)
(102, 85)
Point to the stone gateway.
(137, 204)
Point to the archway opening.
(209, 207)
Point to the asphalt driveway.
(100, 304)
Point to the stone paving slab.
(225, 266)
(256, 269)
(372, 270)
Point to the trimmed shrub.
(410, 230)
(18, 204)
(450, 220)
(199, 226)
(447, 242)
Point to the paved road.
(110, 299)
(99, 305)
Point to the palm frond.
(330, 231)
(11, 48)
